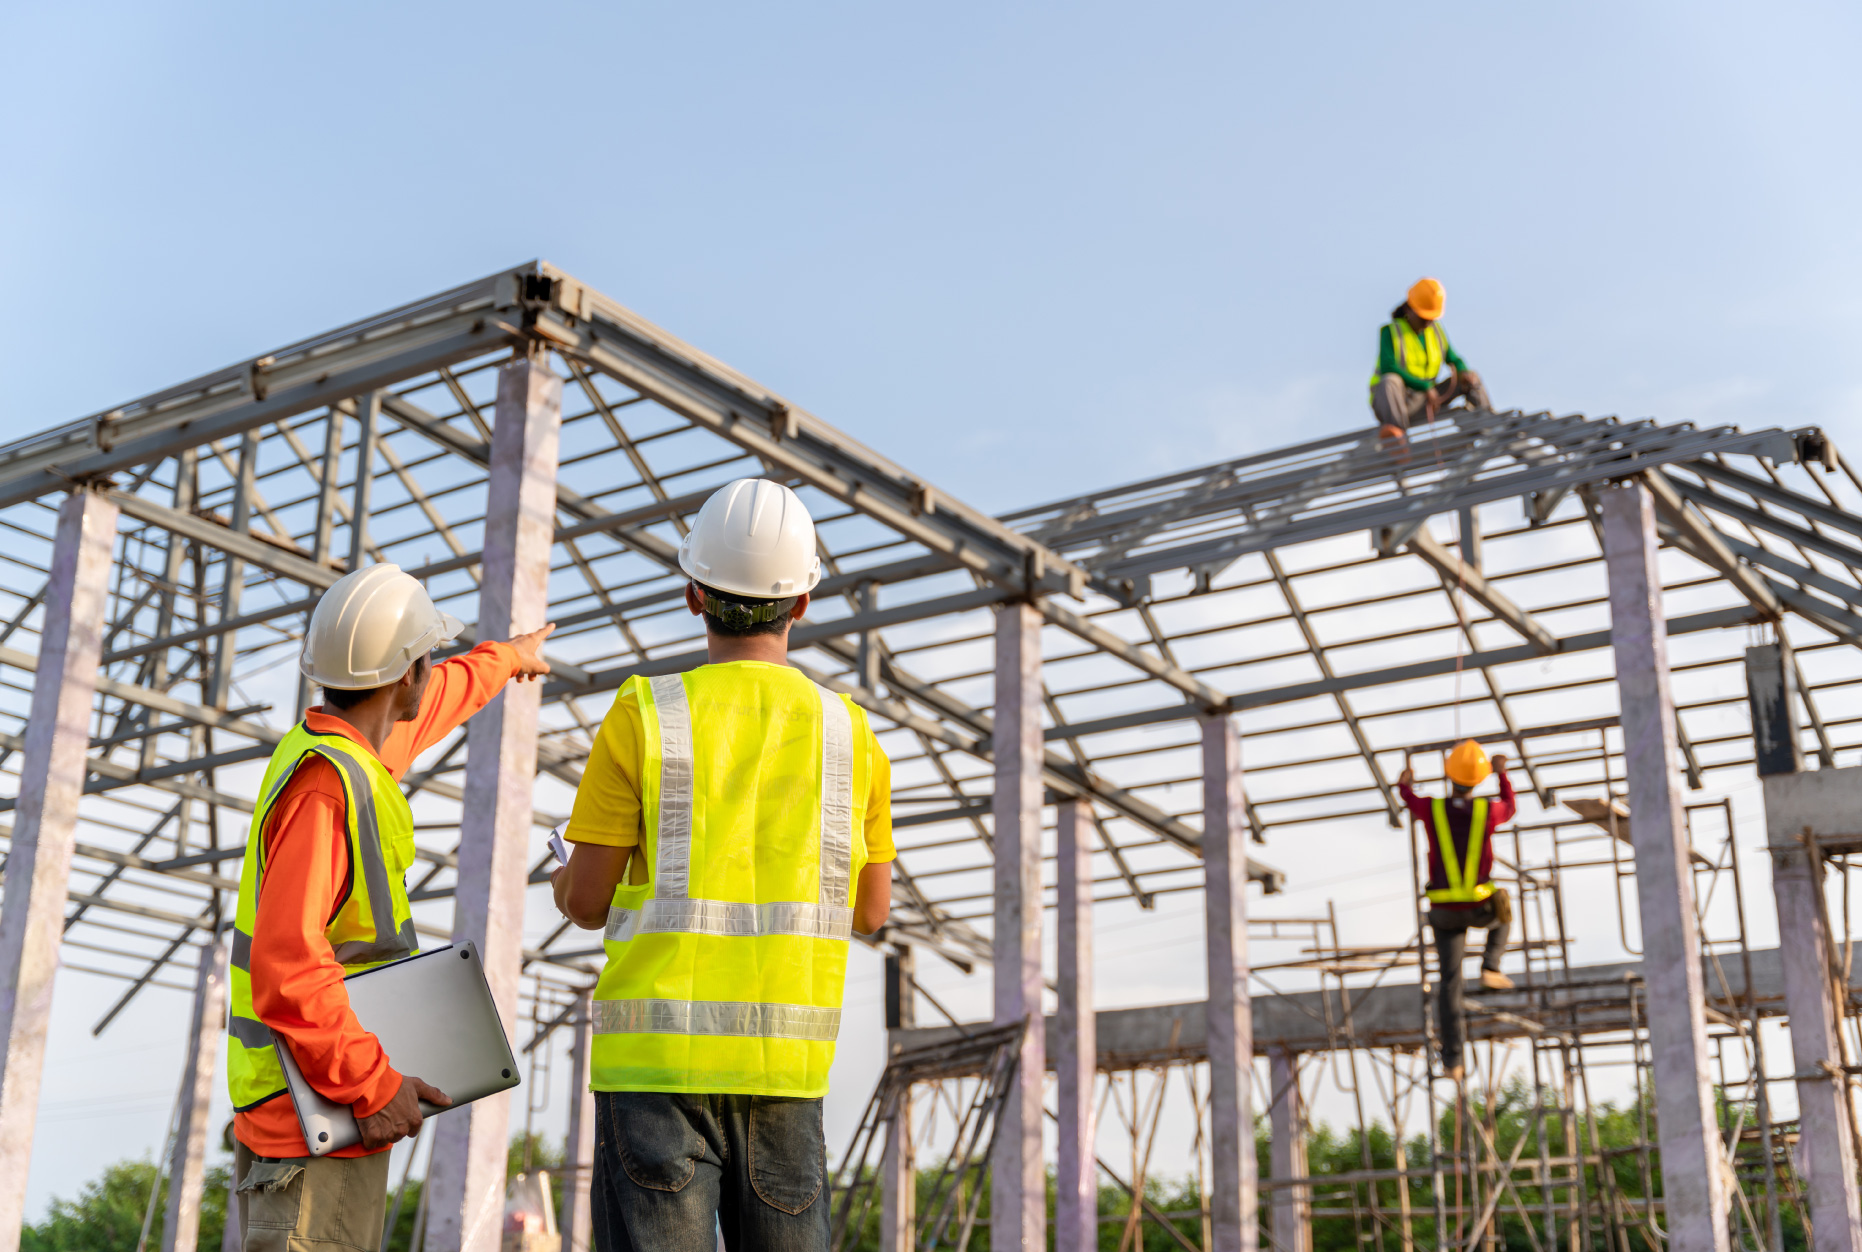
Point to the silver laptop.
(435, 1017)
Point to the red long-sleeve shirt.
(1460, 809)
(297, 984)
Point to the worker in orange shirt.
(322, 895)
(1462, 894)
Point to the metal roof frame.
(1303, 589)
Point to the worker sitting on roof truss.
(1411, 350)
(1462, 895)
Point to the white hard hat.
(753, 538)
(369, 627)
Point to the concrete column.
(1292, 1205)
(898, 1180)
(579, 1149)
(1232, 1184)
(1828, 802)
(1018, 1180)
(1076, 1050)
(467, 1175)
(187, 1166)
(1693, 1177)
(38, 868)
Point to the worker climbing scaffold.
(1462, 895)
(1412, 348)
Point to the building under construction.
(1645, 616)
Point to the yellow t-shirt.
(607, 804)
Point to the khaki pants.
(312, 1204)
(1396, 405)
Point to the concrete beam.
(1018, 1179)
(187, 1165)
(1693, 1165)
(1292, 1224)
(897, 1176)
(579, 1149)
(1826, 1111)
(467, 1174)
(1233, 1223)
(1076, 1049)
(38, 869)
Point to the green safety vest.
(1422, 355)
(725, 970)
(381, 848)
(1464, 885)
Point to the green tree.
(106, 1215)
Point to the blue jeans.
(673, 1170)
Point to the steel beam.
(1798, 810)
(1693, 1165)
(578, 1165)
(1018, 1180)
(187, 1164)
(1076, 1049)
(1232, 1183)
(467, 1172)
(1292, 1224)
(38, 867)
(1470, 579)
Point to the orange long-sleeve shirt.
(297, 984)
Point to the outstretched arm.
(461, 687)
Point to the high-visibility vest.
(1464, 878)
(1420, 354)
(725, 970)
(381, 848)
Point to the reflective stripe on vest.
(1464, 879)
(1422, 355)
(380, 827)
(737, 994)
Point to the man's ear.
(694, 602)
(801, 607)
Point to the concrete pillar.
(898, 1180)
(467, 1174)
(38, 868)
(1292, 1205)
(1076, 1050)
(1829, 804)
(1693, 1176)
(1018, 1181)
(187, 1166)
(1232, 1185)
(579, 1149)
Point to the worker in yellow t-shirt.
(733, 829)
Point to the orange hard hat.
(1468, 764)
(1426, 299)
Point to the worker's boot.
(1457, 1074)
(1395, 441)
(1494, 980)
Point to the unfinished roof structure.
(1345, 606)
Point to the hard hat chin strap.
(737, 615)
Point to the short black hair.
(739, 617)
(338, 698)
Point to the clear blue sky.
(1023, 249)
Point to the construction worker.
(733, 828)
(1412, 348)
(321, 895)
(1462, 894)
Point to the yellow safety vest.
(725, 970)
(1464, 885)
(1422, 355)
(381, 847)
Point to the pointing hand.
(529, 649)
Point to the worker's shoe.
(1457, 1074)
(1494, 980)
